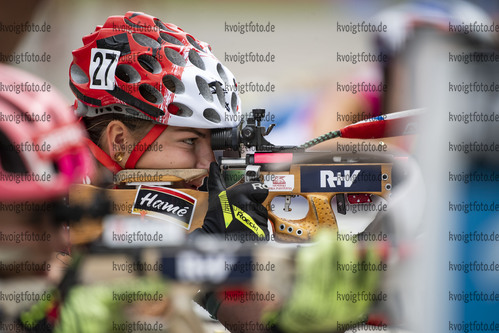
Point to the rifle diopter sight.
(250, 134)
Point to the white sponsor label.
(102, 68)
(329, 179)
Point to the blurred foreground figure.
(42, 153)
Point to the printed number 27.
(103, 68)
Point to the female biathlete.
(149, 95)
(34, 179)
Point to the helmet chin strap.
(141, 147)
(135, 155)
(101, 156)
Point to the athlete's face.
(180, 148)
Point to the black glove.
(238, 210)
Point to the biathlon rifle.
(287, 171)
(290, 171)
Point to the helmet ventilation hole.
(194, 43)
(150, 94)
(222, 74)
(146, 41)
(211, 115)
(10, 160)
(179, 110)
(133, 25)
(161, 25)
(149, 63)
(78, 75)
(174, 57)
(173, 84)
(170, 39)
(204, 89)
(127, 73)
(196, 59)
(220, 93)
(233, 102)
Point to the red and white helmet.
(42, 149)
(138, 66)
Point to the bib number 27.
(102, 68)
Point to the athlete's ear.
(118, 141)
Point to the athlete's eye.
(190, 141)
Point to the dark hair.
(97, 125)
